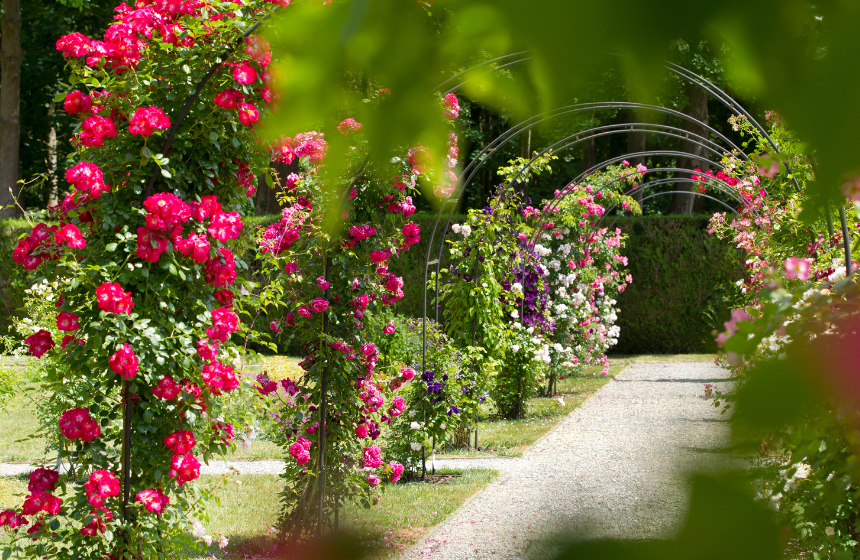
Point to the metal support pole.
(126, 450)
(423, 446)
(846, 240)
(323, 399)
(829, 224)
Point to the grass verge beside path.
(250, 505)
(510, 438)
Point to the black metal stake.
(323, 398)
(846, 240)
(126, 450)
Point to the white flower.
(829, 531)
(455, 228)
(222, 542)
(412, 414)
(517, 325)
(207, 539)
(245, 444)
(515, 314)
(197, 529)
(530, 330)
(415, 426)
(517, 287)
(443, 426)
(465, 230)
(558, 347)
(560, 401)
(515, 348)
(415, 446)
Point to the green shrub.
(683, 285)
(13, 278)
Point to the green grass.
(405, 512)
(18, 422)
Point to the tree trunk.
(589, 154)
(11, 56)
(635, 144)
(698, 109)
(53, 196)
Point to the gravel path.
(612, 469)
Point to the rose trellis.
(165, 159)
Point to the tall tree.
(698, 110)
(11, 56)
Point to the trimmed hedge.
(683, 285)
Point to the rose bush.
(145, 306)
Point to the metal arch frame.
(662, 193)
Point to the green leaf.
(165, 173)
(110, 247)
(146, 152)
(58, 98)
(213, 136)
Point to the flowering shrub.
(333, 288)
(799, 318)
(441, 404)
(145, 308)
(585, 267)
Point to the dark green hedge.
(682, 285)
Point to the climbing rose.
(41, 501)
(322, 284)
(796, 268)
(39, 343)
(206, 351)
(184, 469)
(396, 470)
(372, 458)
(12, 519)
(305, 312)
(166, 388)
(74, 44)
(361, 431)
(248, 114)
(221, 269)
(153, 500)
(407, 373)
(124, 362)
(224, 297)
(67, 321)
(150, 244)
(389, 328)
(452, 107)
(43, 480)
(225, 226)
(319, 305)
(373, 480)
(95, 129)
(180, 442)
(77, 102)
(349, 126)
(244, 73)
(102, 484)
(165, 210)
(276, 326)
(377, 257)
(70, 235)
(78, 424)
(88, 178)
(113, 299)
(411, 232)
(224, 323)
(300, 450)
(218, 376)
(229, 99)
(361, 232)
(195, 247)
(147, 119)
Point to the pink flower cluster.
(146, 120)
(39, 343)
(300, 450)
(112, 298)
(153, 500)
(180, 442)
(219, 376)
(166, 388)
(184, 468)
(101, 485)
(36, 247)
(224, 323)
(78, 424)
(124, 362)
